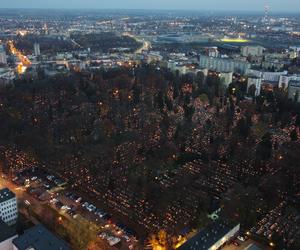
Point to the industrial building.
(223, 64)
(294, 90)
(39, 238)
(212, 237)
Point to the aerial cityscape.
(155, 126)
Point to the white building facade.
(37, 50)
(223, 64)
(8, 206)
(252, 51)
(3, 58)
(226, 78)
(266, 75)
(285, 79)
(294, 90)
(256, 81)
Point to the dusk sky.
(253, 5)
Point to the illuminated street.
(146, 44)
(24, 61)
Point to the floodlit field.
(234, 40)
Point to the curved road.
(146, 44)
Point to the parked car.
(241, 238)
(236, 243)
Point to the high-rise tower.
(2, 55)
(37, 50)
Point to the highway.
(146, 44)
(24, 61)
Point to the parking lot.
(50, 190)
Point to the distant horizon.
(275, 6)
(147, 9)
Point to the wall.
(7, 244)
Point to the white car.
(53, 200)
(91, 208)
(113, 240)
(103, 236)
(65, 207)
(86, 204)
(78, 200)
(27, 203)
(241, 238)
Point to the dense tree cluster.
(100, 42)
(105, 41)
(145, 129)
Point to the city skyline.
(228, 5)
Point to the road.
(22, 195)
(19, 191)
(146, 44)
(24, 61)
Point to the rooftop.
(294, 83)
(39, 238)
(208, 236)
(6, 232)
(6, 194)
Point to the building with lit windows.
(37, 51)
(212, 51)
(3, 59)
(212, 237)
(257, 82)
(285, 79)
(294, 90)
(8, 206)
(252, 51)
(223, 64)
(266, 75)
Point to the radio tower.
(267, 9)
